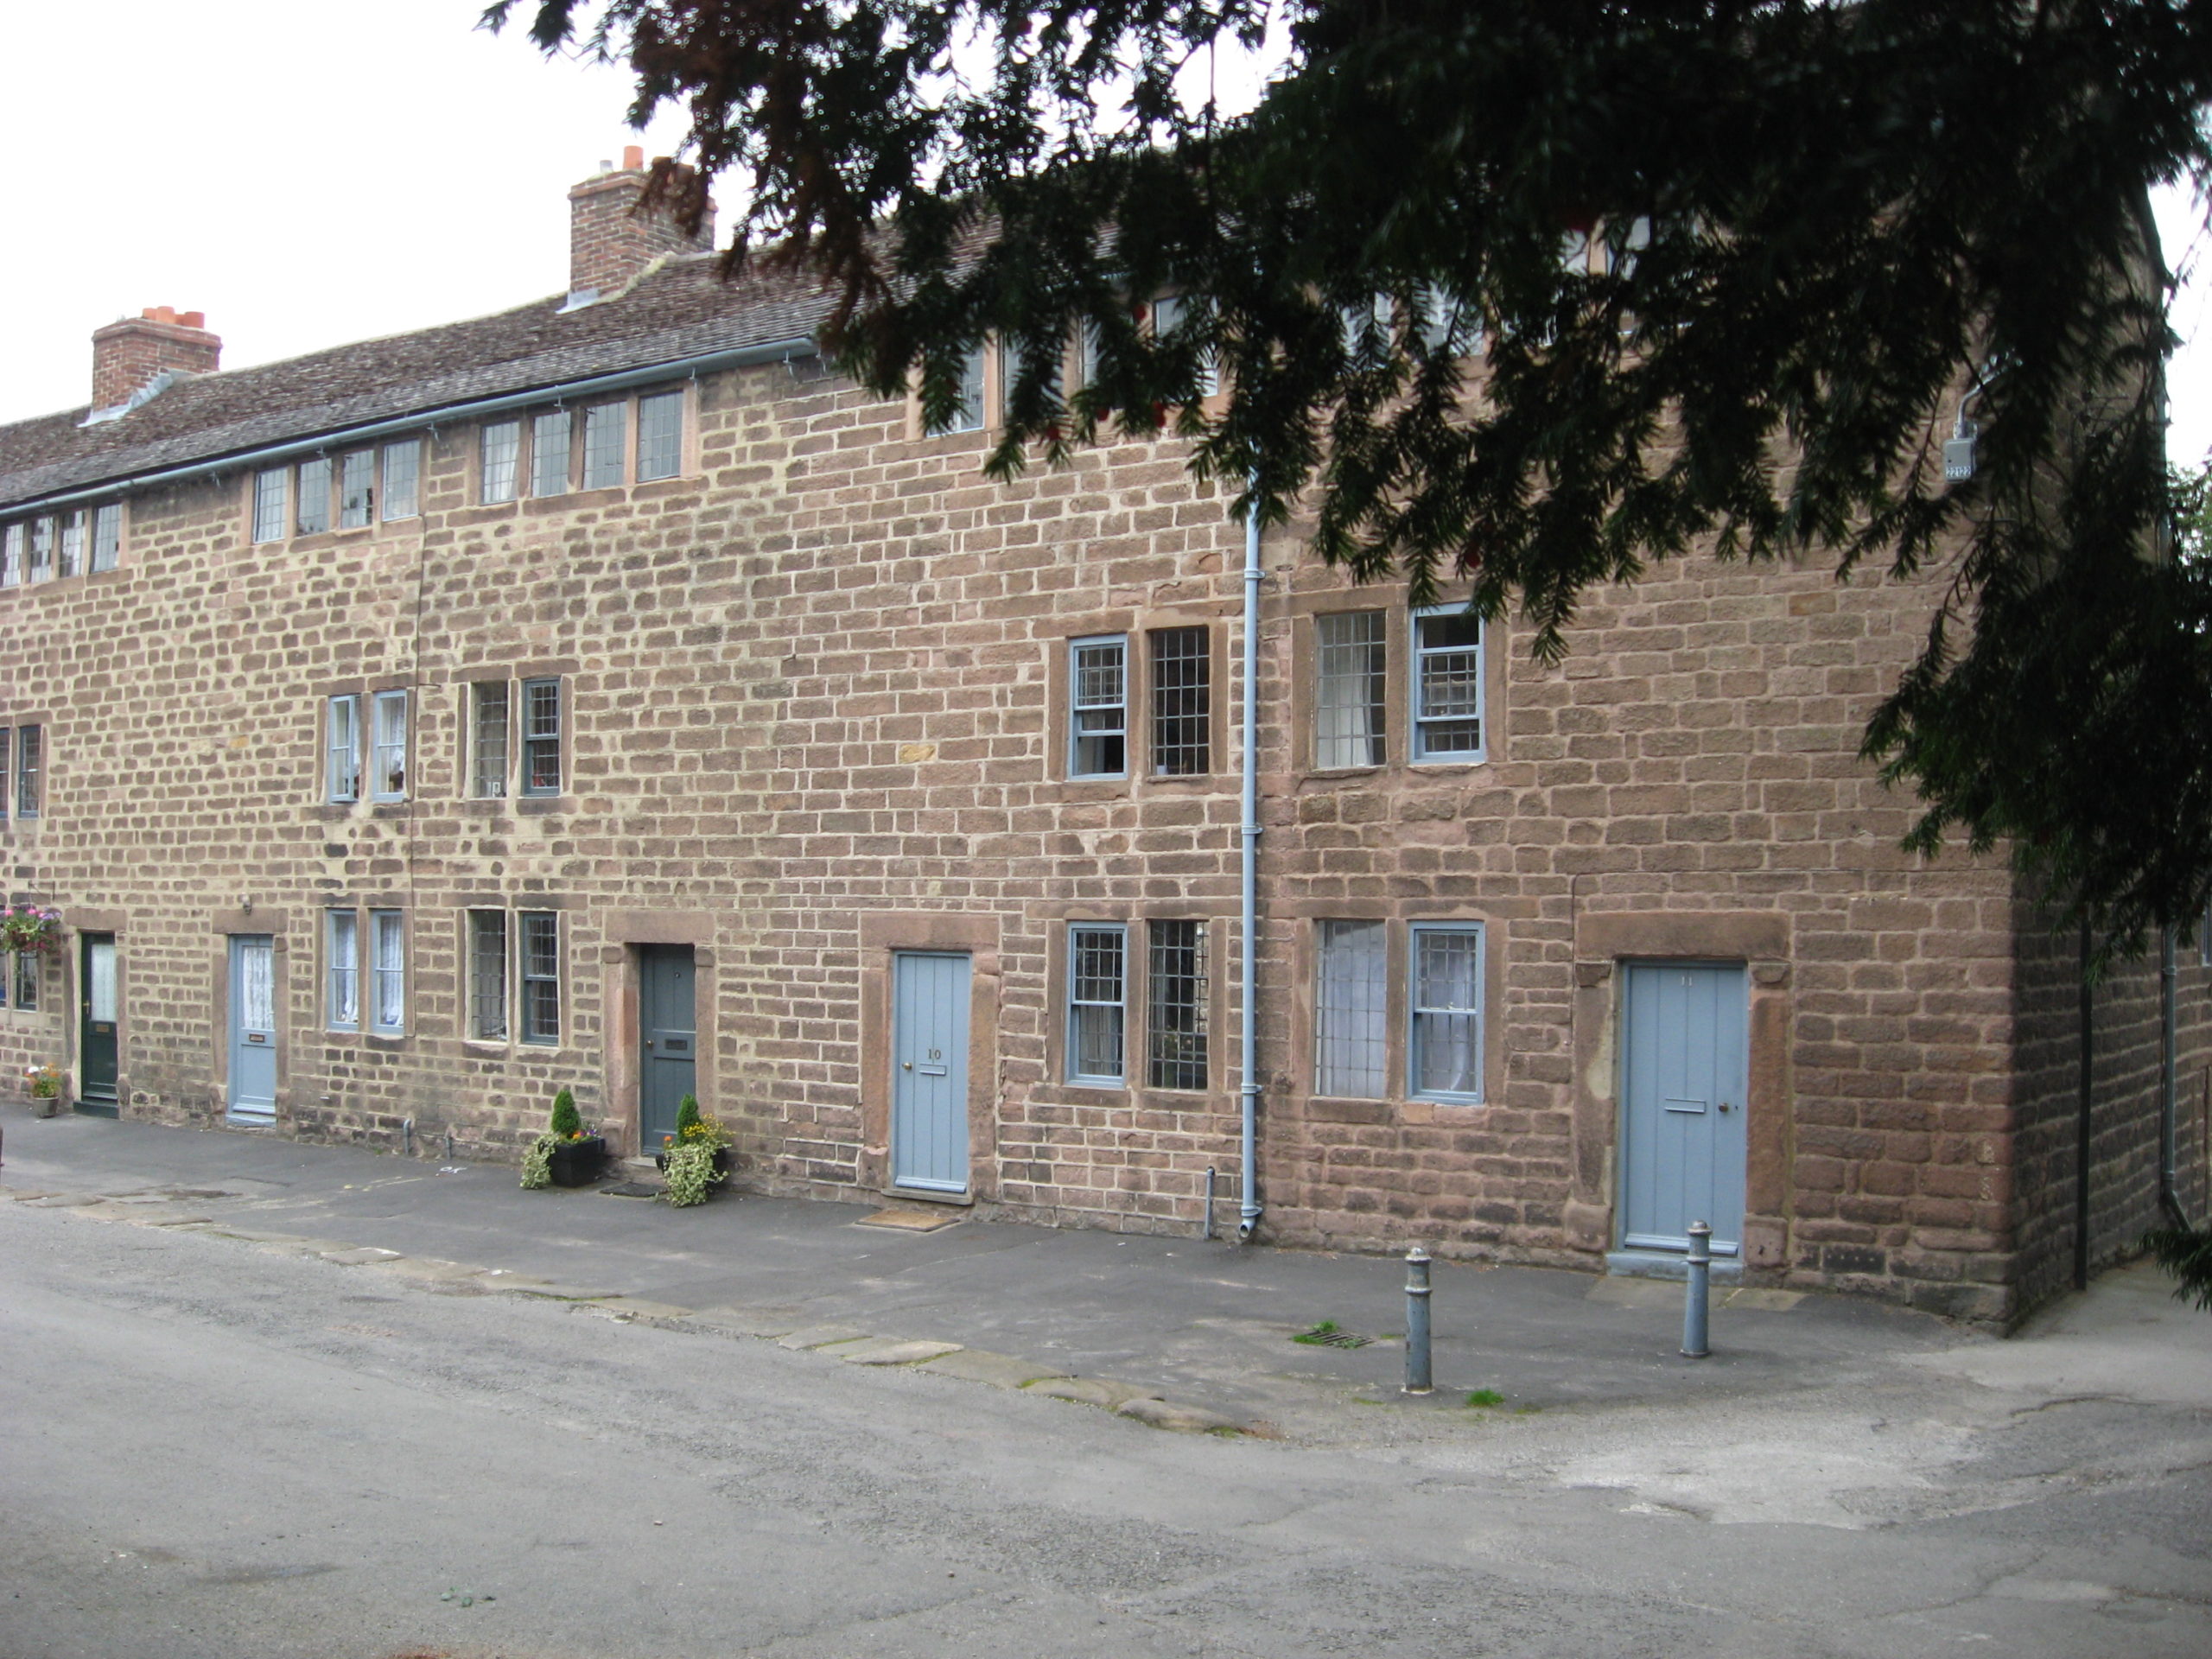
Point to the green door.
(96, 1064)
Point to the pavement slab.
(819, 1336)
(1000, 1371)
(1182, 1420)
(892, 1350)
(638, 1307)
(748, 1321)
(1099, 1391)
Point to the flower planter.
(722, 1163)
(578, 1163)
(47, 1105)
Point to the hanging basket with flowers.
(30, 930)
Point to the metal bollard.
(1417, 1376)
(1694, 1298)
(448, 1146)
(1208, 1233)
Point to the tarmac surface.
(270, 1399)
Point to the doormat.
(633, 1190)
(910, 1221)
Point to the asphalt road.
(212, 1449)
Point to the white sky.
(309, 174)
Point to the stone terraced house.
(608, 694)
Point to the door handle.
(1726, 1107)
(906, 1064)
(649, 1042)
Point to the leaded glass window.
(1182, 703)
(1175, 1027)
(1350, 1012)
(1349, 689)
(502, 449)
(660, 435)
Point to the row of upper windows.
(514, 739)
(73, 543)
(1350, 707)
(307, 498)
(988, 372)
(1162, 976)
(514, 966)
(551, 453)
(516, 730)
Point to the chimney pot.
(633, 158)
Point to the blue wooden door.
(667, 1014)
(929, 1070)
(1684, 1066)
(253, 1028)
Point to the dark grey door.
(668, 1025)
(1684, 1067)
(929, 1070)
(253, 1028)
(96, 1052)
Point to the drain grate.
(1325, 1335)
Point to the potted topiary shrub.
(564, 1155)
(696, 1158)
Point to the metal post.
(448, 1146)
(1208, 1233)
(407, 1137)
(1694, 1300)
(1417, 1373)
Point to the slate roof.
(682, 309)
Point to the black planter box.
(721, 1162)
(577, 1163)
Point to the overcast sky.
(309, 173)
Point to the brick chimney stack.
(608, 244)
(129, 353)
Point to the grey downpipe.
(1249, 890)
(2082, 1120)
(2169, 1084)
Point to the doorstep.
(1665, 1264)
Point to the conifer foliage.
(1727, 273)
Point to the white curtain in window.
(1447, 995)
(257, 988)
(1350, 1012)
(101, 991)
(392, 971)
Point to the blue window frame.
(1098, 706)
(1099, 984)
(1444, 1049)
(1447, 688)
